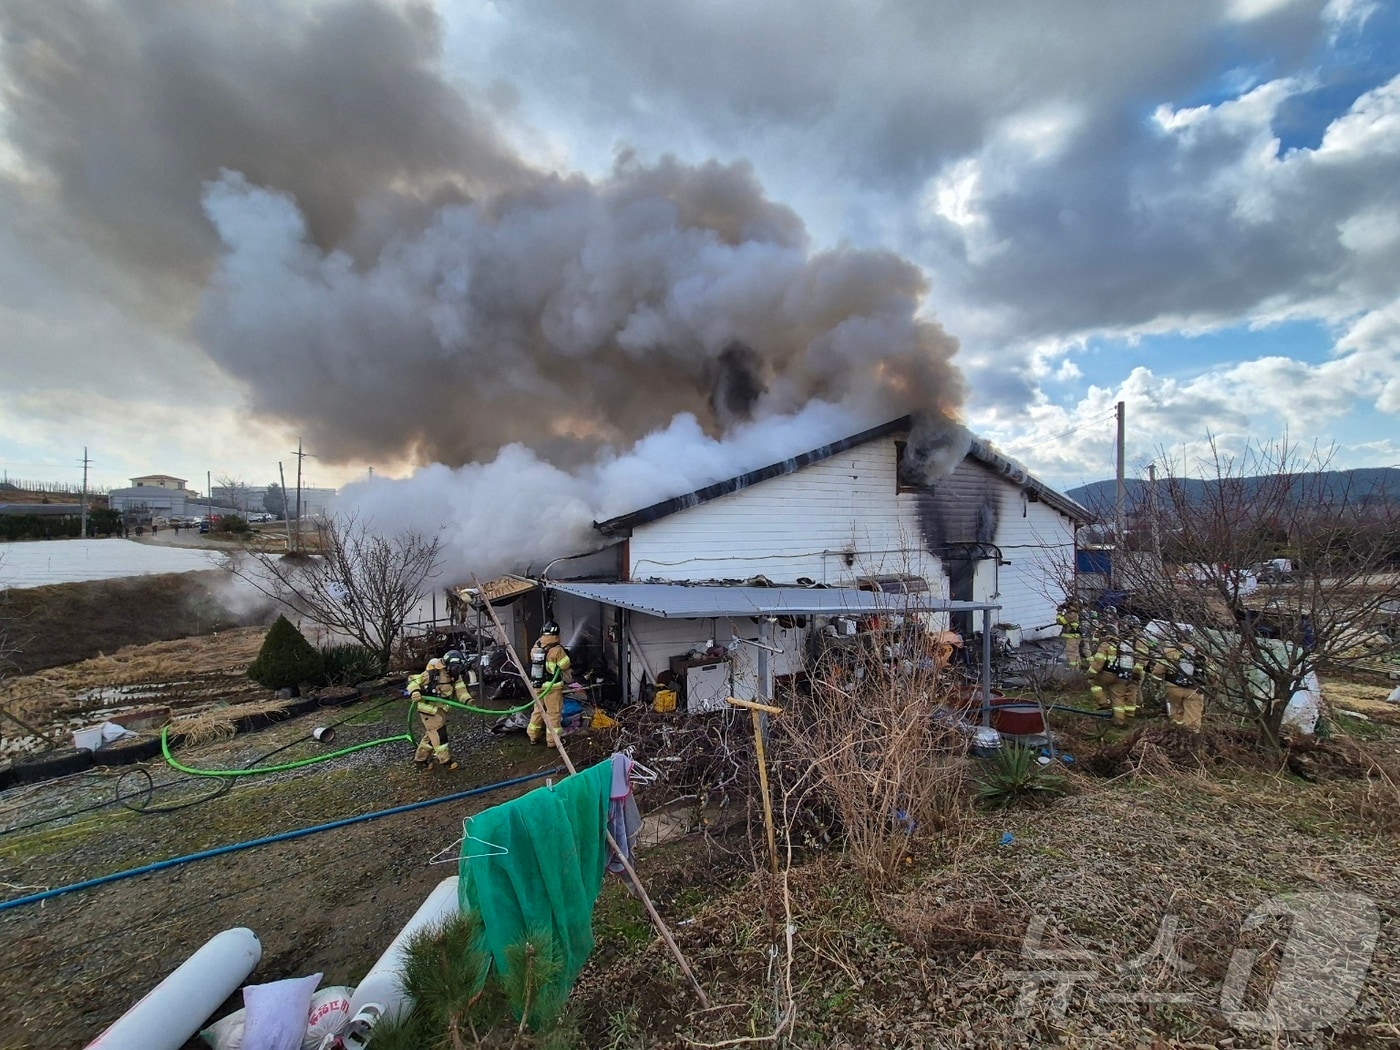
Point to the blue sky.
(417, 233)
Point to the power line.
(1064, 433)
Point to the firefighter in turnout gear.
(443, 679)
(1067, 616)
(1116, 673)
(551, 670)
(1181, 672)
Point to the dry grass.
(62, 624)
(872, 748)
(207, 727)
(1365, 697)
(1138, 888)
(170, 663)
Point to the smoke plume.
(358, 245)
(565, 317)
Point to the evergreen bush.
(286, 658)
(459, 999)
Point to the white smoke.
(518, 512)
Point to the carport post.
(986, 668)
(765, 674)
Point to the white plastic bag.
(1305, 706)
(330, 1009)
(277, 1012)
(327, 1013)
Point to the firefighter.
(1116, 673)
(1067, 616)
(442, 679)
(552, 672)
(1180, 670)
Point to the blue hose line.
(283, 837)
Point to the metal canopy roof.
(682, 602)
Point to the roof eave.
(625, 523)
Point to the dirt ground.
(330, 902)
(63, 623)
(1109, 918)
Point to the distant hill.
(1367, 484)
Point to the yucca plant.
(1013, 775)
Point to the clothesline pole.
(757, 710)
(656, 919)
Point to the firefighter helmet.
(455, 662)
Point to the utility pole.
(1152, 509)
(300, 456)
(1120, 493)
(82, 531)
(209, 497)
(285, 521)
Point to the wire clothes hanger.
(636, 772)
(493, 850)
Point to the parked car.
(1276, 570)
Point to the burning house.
(723, 586)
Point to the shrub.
(286, 658)
(884, 758)
(1013, 775)
(349, 664)
(457, 994)
(234, 524)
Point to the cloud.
(570, 230)
(379, 265)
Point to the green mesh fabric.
(551, 872)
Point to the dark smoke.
(739, 385)
(129, 106)
(373, 262)
(935, 447)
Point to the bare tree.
(355, 581)
(1272, 567)
(237, 493)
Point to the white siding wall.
(657, 640)
(804, 523)
(800, 524)
(1038, 541)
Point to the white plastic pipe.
(382, 987)
(174, 1010)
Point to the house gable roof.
(980, 451)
